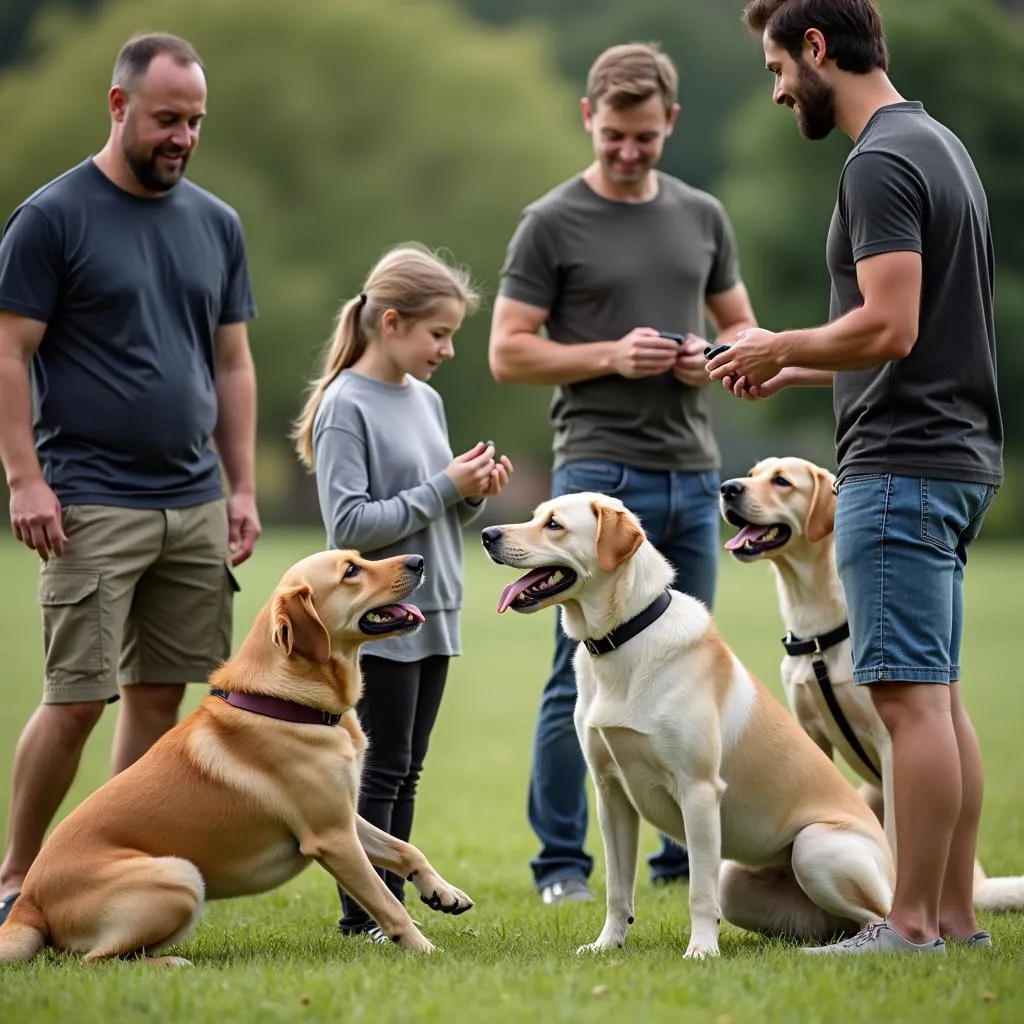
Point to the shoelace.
(867, 934)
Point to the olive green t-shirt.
(602, 268)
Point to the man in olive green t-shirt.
(604, 263)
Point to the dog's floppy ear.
(297, 627)
(821, 514)
(617, 536)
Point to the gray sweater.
(380, 452)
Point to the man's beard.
(146, 169)
(816, 115)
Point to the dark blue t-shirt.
(132, 291)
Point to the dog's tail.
(23, 934)
(999, 894)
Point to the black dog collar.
(629, 629)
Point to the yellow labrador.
(785, 511)
(676, 730)
(260, 780)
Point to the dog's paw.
(445, 898)
(701, 950)
(168, 961)
(417, 942)
(600, 945)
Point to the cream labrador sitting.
(676, 730)
(785, 513)
(244, 793)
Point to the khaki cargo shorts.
(139, 596)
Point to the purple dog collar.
(277, 707)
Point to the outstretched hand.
(751, 359)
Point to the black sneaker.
(7, 905)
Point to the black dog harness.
(629, 629)
(817, 646)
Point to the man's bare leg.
(927, 797)
(45, 764)
(956, 910)
(147, 711)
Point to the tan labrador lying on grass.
(675, 730)
(243, 793)
(785, 513)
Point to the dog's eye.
(351, 571)
(552, 524)
(780, 481)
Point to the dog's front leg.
(340, 852)
(404, 859)
(620, 833)
(702, 818)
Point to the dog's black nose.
(731, 490)
(490, 536)
(414, 563)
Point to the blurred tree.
(335, 130)
(15, 18)
(704, 37)
(963, 58)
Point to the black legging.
(397, 711)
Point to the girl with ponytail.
(374, 432)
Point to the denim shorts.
(901, 551)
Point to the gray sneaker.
(879, 937)
(569, 890)
(982, 939)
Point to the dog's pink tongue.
(513, 590)
(749, 532)
(401, 611)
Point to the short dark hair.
(137, 54)
(852, 29)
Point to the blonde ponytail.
(410, 279)
(345, 347)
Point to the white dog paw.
(701, 950)
(600, 946)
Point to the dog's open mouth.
(754, 539)
(536, 587)
(391, 618)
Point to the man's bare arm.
(19, 339)
(732, 312)
(518, 354)
(235, 434)
(35, 511)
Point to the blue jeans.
(679, 512)
(901, 551)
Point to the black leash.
(629, 629)
(816, 646)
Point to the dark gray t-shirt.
(132, 291)
(603, 268)
(910, 185)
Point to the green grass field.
(278, 957)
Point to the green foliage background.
(338, 129)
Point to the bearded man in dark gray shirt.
(910, 350)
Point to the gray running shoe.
(879, 937)
(569, 890)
